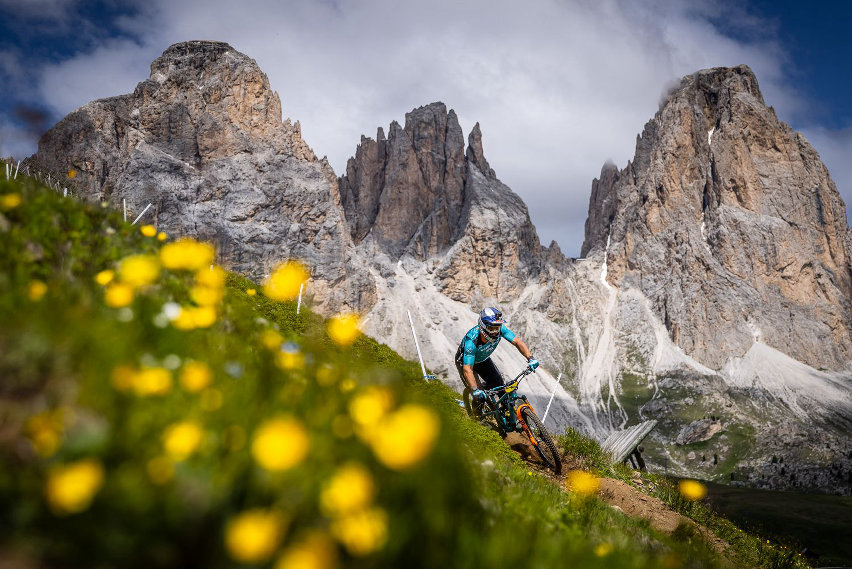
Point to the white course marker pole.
(552, 395)
(417, 345)
(18, 167)
(124, 201)
(299, 305)
(141, 214)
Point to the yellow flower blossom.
(326, 375)
(316, 551)
(251, 292)
(162, 236)
(45, 442)
(195, 376)
(36, 290)
(182, 439)
(211, 399)
(10, 201)
(343, 329)
(350, 490)
(160, 470)
(186, 254)
(205, 295)
(148, 230)
(71, 487)
(582, 482)
(289, 357)
(348, 384)
(118, 295)
(285, 281)
(72, 174)
(103, 278)
(123, 378)
(271, 339)
(139, 270)
(254, 535)
(280, 444)
(213, 277)
(692, 490)
(195, 317)
(603, 549)
(405, 437)
(363, 532)
(370, 406)
(152, 381)
(45, 431)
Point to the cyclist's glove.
(533, 363)
(479, 395)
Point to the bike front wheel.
(542, 441)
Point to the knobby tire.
(546, 447)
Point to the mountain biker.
(473, 358)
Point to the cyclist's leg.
(489, 374)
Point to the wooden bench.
(624, 445)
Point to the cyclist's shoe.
(533, 363)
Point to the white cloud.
(559, 87)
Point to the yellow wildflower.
(72, 174)
(139, 270)
(205, 295)
(123, 377)
(254, 535)
(10, 201)
(45, 430)
(251, 292)
(186, 254)
(195, 317)
(285, 281)
(118, 295)
(350, 490)
(289, 357)
(148, 230)
(363, 532)
(36, 290)
(271, 339)
(45, 442)
(161, 236)
(211, 399)
(103, 278)
(603, 549)
(343, 329)
(280, 444)
(152, 381)
(582, 482)
(213, 277)
(405, 437)
(371, 405)
(160, 470)
(71, 487)
(182, 439)
(195, 376)
(348, 384)
(316, 551)
(692, 490)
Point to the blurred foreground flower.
(343, 329)
(195, 376)
(251, 292)
(351, 489)
(118, 295)
(603, 549)
(182, 439)
(148, 230)
(71, 487)
(316, 551)
(187, 254)
(370, 406)
(280, 444)
(692, 490)
(139, 270)
(36, 290)
(285, 281)
(161, 236)
(271, 339)
(191, 317)
(10, 201)
(45, 432)
(289, 357)
(363, 532)
(405, 437)
(103, 278)
(582, 482)
(254, 535)
(152, 381)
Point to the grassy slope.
(470, 503)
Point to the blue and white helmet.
(490, 322)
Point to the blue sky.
(559, 87)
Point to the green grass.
(470, 501)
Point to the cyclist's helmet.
(490, 322)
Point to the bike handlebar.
(517, 380)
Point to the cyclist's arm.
(467, 371)
(525, 351)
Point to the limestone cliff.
(729, 223)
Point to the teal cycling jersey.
(475, 353)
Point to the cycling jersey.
(474, 352)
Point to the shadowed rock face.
(202, 140)
(729, 222)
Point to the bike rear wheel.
(542, 441)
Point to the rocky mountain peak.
(729, 222)
(475, 154)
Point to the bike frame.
(503, 402)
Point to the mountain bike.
(507, 411)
